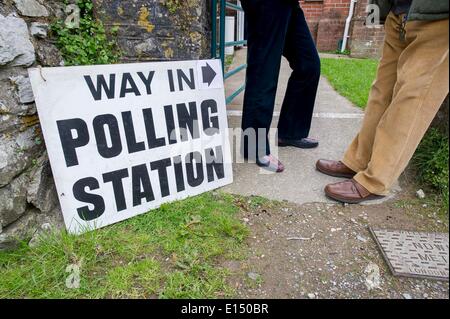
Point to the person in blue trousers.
(278, 28)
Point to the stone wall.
(159, 29)
(148, 30)
(28, 199)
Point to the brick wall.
(326, 20)
(313, 12)
(340, 6)
(364, 41)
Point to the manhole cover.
(413, 254)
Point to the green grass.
(228, 61)
(171, 252)
(351, 78)
(431, 160)
(337, 52)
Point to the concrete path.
(336, 121)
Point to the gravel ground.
(326, 251)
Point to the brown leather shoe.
(349, 191)
(334, 168)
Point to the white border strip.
(316, 115)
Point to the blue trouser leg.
(277, 27)
(298, 104)
(267, 22)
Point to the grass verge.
(431, 161)
(351, 78)
(172, 252)
(228, 61)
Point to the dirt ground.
(322, 250)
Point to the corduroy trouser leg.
(411, 84)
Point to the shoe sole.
(349, 201)
(267, 168)
(329, 173)
(306, 146)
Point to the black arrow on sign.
(208, 74)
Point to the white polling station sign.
(123, 139)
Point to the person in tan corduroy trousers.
(411, 84)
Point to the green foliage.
(345, 52)
(337, 52)
(351, 78)
(431, 160)
(172, 252)
(228, 61)
(173, 5)
(89, 43)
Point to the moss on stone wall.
(158, 30)
(90, 42)
(172, 5)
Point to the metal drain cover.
(413, 254)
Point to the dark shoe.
(350, 192)
(334, 168)
(301, 143)
(270, 163)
